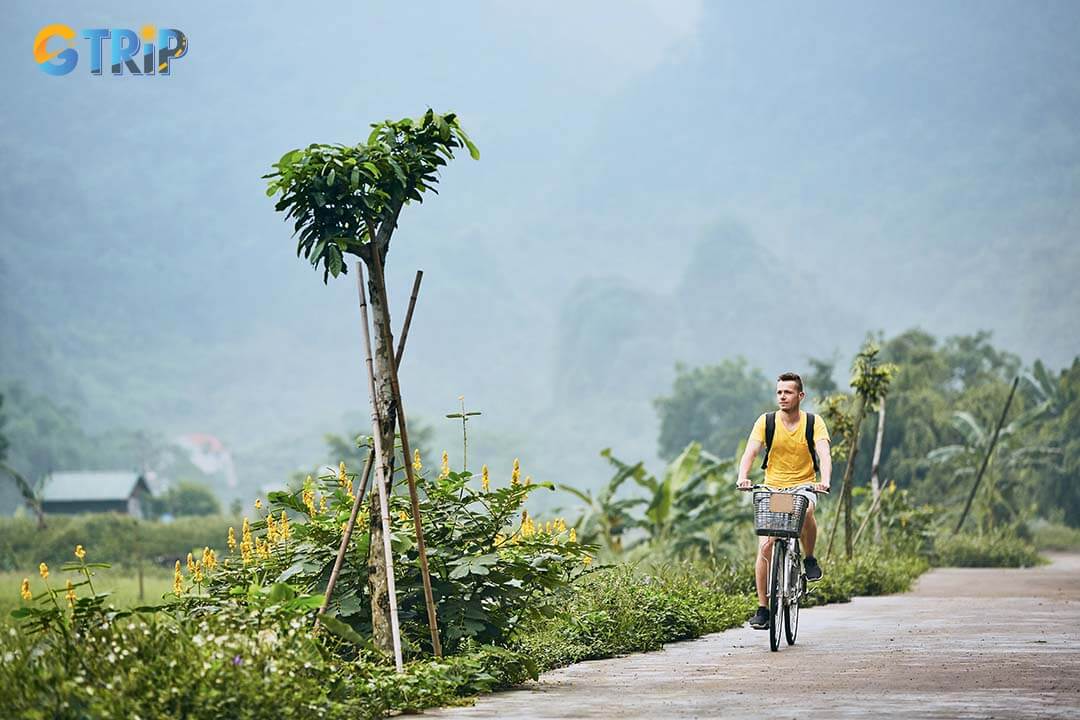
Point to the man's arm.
(825, 461)
(753, 447)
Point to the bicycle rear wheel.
(776, 583)
(791, 607)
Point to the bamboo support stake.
(873, 512)
(383, 469)
(421, 549)
(347, 535)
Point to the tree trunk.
(848, 473)
(382, 357)
(875, 466)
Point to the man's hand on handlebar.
(743, 484)
(821, 487)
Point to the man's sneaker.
(760, 621)
(813, 570)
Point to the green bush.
(1000, 549)
(622, 609)
(1055, 536)
(870, 573)
(121, 539)
(80, 659)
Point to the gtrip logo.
(155, 48)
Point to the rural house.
(72, 493)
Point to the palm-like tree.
(1002, 498)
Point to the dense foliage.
(713, 405)
(123, 539)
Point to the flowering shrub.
(492, 564)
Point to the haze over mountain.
(659, 182)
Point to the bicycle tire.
(791, 607)
(777, 570)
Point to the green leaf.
(280, 592)
(342, 630)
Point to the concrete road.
(965, 643)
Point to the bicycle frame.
(790, 587)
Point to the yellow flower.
(209, 559)
(70, 594)
(25, 590)
(246, 543)
(587, 560)
(573, 534)
(403, 516)
(485, 481)
(499, 539)
(444, 471)
(286, 533)
(79, 552)
(892, 487)
(528, 480)
(349, 490)
(547, 527)
(308, 497)
(43, 570)
(322, 504)
(417, 465)
(231, 542)
(258, 504)
(341, 472)
(516, 474)
(271, 528)
(262, 549)
(177, 580)
(190, 564)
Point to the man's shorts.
(807, 491)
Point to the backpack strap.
(770, 431)
(810, 441)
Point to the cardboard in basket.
(782, 502)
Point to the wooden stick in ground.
(421, 549)
(343, 547)
(989, 452)
(347, 535)
(383, 469)
(872, 513)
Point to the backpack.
(770, 431)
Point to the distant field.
(123, 584)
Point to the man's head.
(789, 391)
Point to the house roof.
(91, 486)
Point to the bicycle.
(780, 515)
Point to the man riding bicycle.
(796, 445)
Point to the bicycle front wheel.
(776, 584)
(791, 607)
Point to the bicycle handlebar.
(766, 487)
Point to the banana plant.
(693, 506)
(1008, 467)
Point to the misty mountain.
(658, 183)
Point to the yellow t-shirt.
(790, 463)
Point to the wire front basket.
(779, 514)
